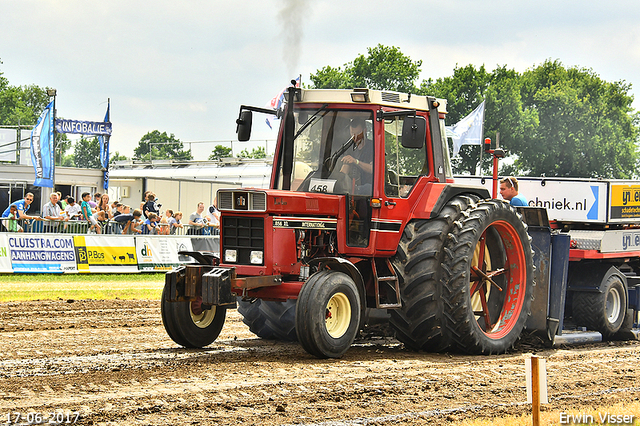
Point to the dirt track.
(112, 362)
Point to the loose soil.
(113, 363)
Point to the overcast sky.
(186, 67)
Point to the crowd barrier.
(108, 227)
(29, 252)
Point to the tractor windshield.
(332, 152)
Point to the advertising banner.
(565, 200)
(624, 203)
(5, 254)
(161, 254)
(97, 253)
(40, 253)
(42, 148)
(83, 127)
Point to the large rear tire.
(604, 312)
(419, 322)
(488, 265)
(328, 314)
(270, 320)
(191, 324)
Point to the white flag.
(467, 131)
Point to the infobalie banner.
(83, 127)
(50, 253)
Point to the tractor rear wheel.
(328, 314)
(488, 280)
(270, 320)
(419, 323)
(192, 324)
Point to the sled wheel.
(328, 314)
(192, 324)
(488, 261)
(604, 312)
(419, 322)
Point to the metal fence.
(110, 227)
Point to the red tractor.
(361, 214)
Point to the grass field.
(20, 287)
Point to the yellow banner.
(625, 195)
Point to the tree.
(586, 126)
(116, 156)
(258, 152)
(160, 146)
(87, 153)
(220, 151)
(384, 68)
(552, 121)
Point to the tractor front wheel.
(192, 324)
(328, 314)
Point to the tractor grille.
(244, 234)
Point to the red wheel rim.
(514, 273)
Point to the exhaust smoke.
(290, 17)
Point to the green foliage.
(163, 147)
(586, 126)
(258, 152)
(384, 68)
(220, 151)
(117, 157)
(87, 153)
(553, 121)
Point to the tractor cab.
(372, 147)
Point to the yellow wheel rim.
(204, 318)
(338, 315)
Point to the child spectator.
(150, 206)
(174, 223)
(149, 225)
(73, 209)
(164, 227)
(88, 214)
(13, 225)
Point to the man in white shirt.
(52, 213)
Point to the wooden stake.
(535, 391)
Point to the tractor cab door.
(403, 166)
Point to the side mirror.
(244, 126)
(414, 132)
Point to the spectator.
(73, 209)
(174, 223)
(22, 206)
(129, 221)
(85, 207)
(509, 191)
(149, 226)
(12, 224)
(119, 209)
(196, 221)
(104, 206)
(163, 228)
(61, 202)
(52, 212)
(150, 206)
(95, 201)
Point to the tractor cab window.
(333, 152)
(403, 166)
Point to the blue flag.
(104, 152)
(42, 148)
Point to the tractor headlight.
(256, 257)
(230, 256)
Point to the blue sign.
(83, 127)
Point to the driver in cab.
(358, 163)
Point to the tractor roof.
(369, 96)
